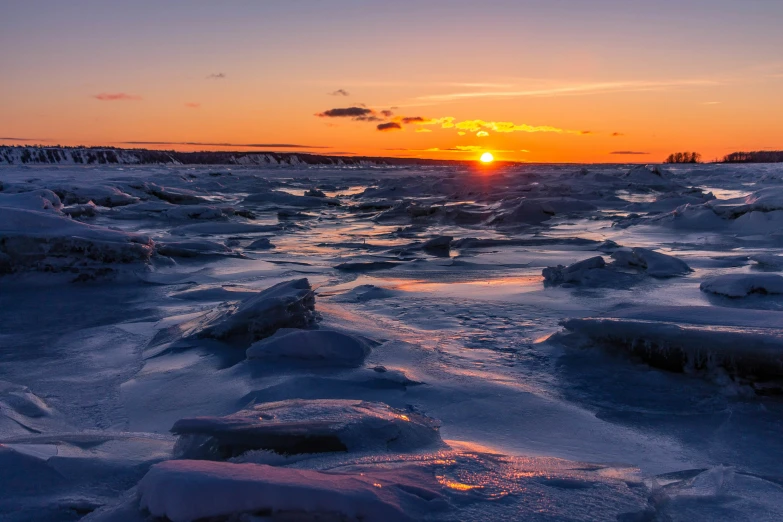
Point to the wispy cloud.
(572, 90)
(423, 130)
(628, 153)
(339, 92)
(617, 134)
(216, 76)
(482, 134)
(23, 139)
(116, 96)
(192, 105)
(208, 144)
(389, 126)
(507, 126)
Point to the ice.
(306, 426)
(437, 244)
(102, 195)
(189, 490)
(190, 248)
(653, 263)
(33, 240)
(583, 271)
(290, 304)
(276, 197)
(40, 200)
(742, 285)
(260, 244)
(322, 347)
(195, 212)
(747, 344)
(656, 401)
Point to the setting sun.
(487, 157)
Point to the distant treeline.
(684, 157)
(22, 154)
(759, 156)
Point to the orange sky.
(566, 81)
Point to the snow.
(742, 285)
(325, 347)
(188, 490)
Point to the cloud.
(192, 105)
(206, 144)
(368, 118)
(585, 133)
(482, 134)
(572, 90)
(423, 130)
(389, 126)
(523, 150)
(339, 92)
(387, 113)
(616, 134)
(507, 126)
(418, 120)
(347, 112)
(461, 133)
(712, 103)
(116, 96)
(23, 139)
(216, 76)
(628, 152)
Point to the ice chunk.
(768, 261)
(653, 263)
(260, 244)
(742, 285)
(184, 490)
(195, 212)
(440, 243)
(103, 195)
(746, 343)
(324, 347)
(45, 241)
(191, 248)
(363, 293)
(41, 200)
(300, 426)
(290, 304)
(582, 271)
(277, 197)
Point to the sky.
(528, 80)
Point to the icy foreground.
(325, 343)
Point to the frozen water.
(523, 342)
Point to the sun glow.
(487, 157)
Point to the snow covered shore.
(430, 343)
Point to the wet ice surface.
(539, 343)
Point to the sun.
(487, 157)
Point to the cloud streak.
(339, 92)
(573, 90)
(192, 105)
(216, 76)
(628, 153)
(116, 96)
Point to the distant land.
(61, 155)
(36, 155)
